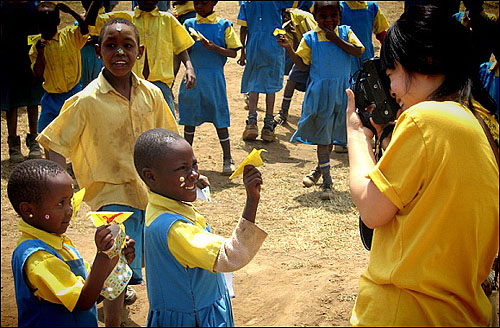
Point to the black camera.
(371, 86)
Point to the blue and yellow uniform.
(323, 110)
(207, 101)
(265, 62)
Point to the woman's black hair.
(426, 40)
(118, 20)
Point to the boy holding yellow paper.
(184, 261)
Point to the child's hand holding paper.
(252, 159)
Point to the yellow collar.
(53, 240)
(138, 13)
(186, 210)
(210, 19)
(104, 86)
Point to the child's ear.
(149, 176)
(141, 51)
(97, 49)
(26, 209)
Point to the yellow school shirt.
(161, 34)
(49, 277)
(230, 36)
(380, 23)
(190, 244)
(97, 129)
(300, 20)
(63, 67)
(427, 264)
(304, 51)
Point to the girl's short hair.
(118, 20)
(427, 40)
(320, 4)
(28, 181)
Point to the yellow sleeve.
(232, 40)
(181, 39)
(63, 133)
(53, 280)
(380, 23)
(402, 169)
(304, 52)
(76, 37)
(33, 53)
(192, 246)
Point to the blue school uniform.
(323, 110)
(41, 313)
(488, 74)
(207, 101)
(265, 61)
(180, 296)
(360, 21)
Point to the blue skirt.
(51, 104)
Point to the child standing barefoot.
(328, 50)
(184, 260)
(53, 284)
(207, 101)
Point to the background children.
(184, 260)
(53, 284)
(328, 50)
(18, 86)
(55, 55)
(97, 129)
(163, 37)
(182, 10)
(263, 60)
(207, 101)
(296, 23)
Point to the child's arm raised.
(350, 48)
(283, 41)
(82, 24)
(92, 13)
(220, 50)
(253, 181)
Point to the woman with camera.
(432, 198)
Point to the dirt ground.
(306, 273)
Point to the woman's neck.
(121, 84)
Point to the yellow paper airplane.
(252, 159)
(197, 34)
(278, 31)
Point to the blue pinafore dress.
(361, 22)
(265, 59)
(322, 121)
(179, 296)
(33, 312)
(207, 101)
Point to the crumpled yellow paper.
(108, 218)
(278, 31)
(252, 159)
(76, 201)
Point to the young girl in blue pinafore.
(207, 101)
(53, 285)
(184, 261)
(328, 50)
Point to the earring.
(47, 216)
(30, 215)
(138, 57)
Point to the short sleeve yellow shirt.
(230, 36)
(97, 129)
(190, 244)
(63, 67)
(50, 278)
(427, 264)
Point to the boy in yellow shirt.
(55, 55)
(163, 36)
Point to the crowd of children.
(107, 106)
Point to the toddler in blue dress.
(207, 101)
(328, 50)
(184, 261)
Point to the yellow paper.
(76, 201)
(104, 218)
(278, 31)
(197, 34)
(252, 159)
